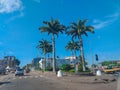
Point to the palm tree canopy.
(78, 29)
(72, 45)
(45, 46)
(52, 27)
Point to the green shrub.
(65, 67)
(72, 71)
(80, 69)
(48, 69)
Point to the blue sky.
(20, 20)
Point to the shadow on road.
(1, 83)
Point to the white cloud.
(102, 24)
(96, 21)
(21, 14)
(98, 24)
(115, 15)
(8, 6)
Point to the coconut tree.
(53, 27)
(73, 47)
(45, 47)
(76, 30)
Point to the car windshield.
(19, 69)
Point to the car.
(116, 74)
(27, 70)
(2, 71)
(19, 72)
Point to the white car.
(19, 72)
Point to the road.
(38, 81)
(28, 82)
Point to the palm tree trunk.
(82, 54)
(54, 61)
(75, 53)
(76, 64)
(45, 61)
(72, 52)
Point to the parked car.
(27, 70)
(2, 71)
(19, 72)
(116, 74)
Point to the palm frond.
(79, 22)
(85, 33)
(71, 31)
(84, 21)
(45, 22)
(74, 24)
(52, 27)
(90, 29)
(72, 27)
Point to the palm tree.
(53, 27)
(45, 46)
(73, 47)
(77, 30)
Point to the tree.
(53, 27)
(73, 47)
(80, 68)
(77, 30)
(45, 47)
(16, 62)
(66, 67)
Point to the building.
(8, 61)
(60, 62)
(35, 62)
(40, 62)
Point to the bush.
(48, 69)
(80, 69)
(72, 71)
(65, 67)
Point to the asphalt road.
(38, 81)
(29, 82)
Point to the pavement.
(38, 80)
(77, 82)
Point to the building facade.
(35, 62)
(8, 61)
